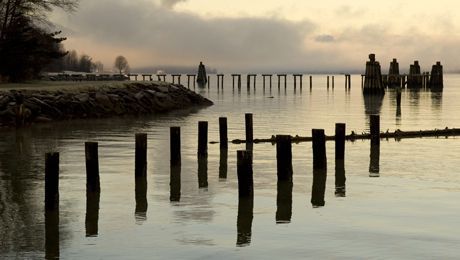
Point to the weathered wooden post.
(239, 81)
(141, 155)
(349, 81)
(295, 81)
(436, 81)
(92, 167)
(333, 81)
(340, 130)
(375, 129)
(175, 166)
(52, 181)
(92, 214)
(52, 205)
(223, 133)
(279, 83)
(244, 221)
(202, 138)
(362, 81)
(209, 81)
(245, 174)
(249, 130)
(327, 81)
(319, 167)
(223, 163)
(373, 83)
(284, 157)
(248, 81)
(284, 202)
(220, 81)
(394, 79)
(311, 82)
(175, 145)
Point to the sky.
(265, 35)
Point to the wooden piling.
(375, 129)
(202, 171)
(202, 138)
(340, 130)
(245, 174)
(244, 221)
(175, 183)
(141, 155)
(333, 81)
(249, 128)
(284, 202)
(398, 97)
(374, 164)
(284, 157)
(327, 81)
(92, 167)
(223, 163)
(319, 168)
(209, 81)
(311, 82)
(92, 214)
(51, 181)
(175, 146)
(223, 132)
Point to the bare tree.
(121, 64)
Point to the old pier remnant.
(279, 80)
(188, 80)
(174, 76)
(394, 79)
(270, 77)
(373, 83)
(436, 80)
(414, 79)
(238, 76)
(300, 76)
(220, 81)
(202, 77)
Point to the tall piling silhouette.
(284, 157)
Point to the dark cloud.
(171, 3)
(325, 38)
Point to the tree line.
(26, 45)
(74, 62)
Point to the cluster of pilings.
(375, 82)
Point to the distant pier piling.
(284, 76)
(333, 81)
(311, 82)
(436, 82)
(394, 79)
(248, 81)
(161, 77)
(238, 76)
(300, 76)
(270, 79)
(189, 76)
(284, 157)
(92, 167)
(220, 81)
(327, 82)
(414, 79)
(319, 167)
(373, 83)
(174, 76)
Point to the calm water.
(410, 211)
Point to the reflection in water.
(175, 182)
(374, 166)
(436, 100)
(141, 199)
(202, 171)
(223, 163)
(373, 104)
(284, 202)
(414, 97)
(319, 187)
(244, 221)
(340, 179)
(92, 213)
(52, 234)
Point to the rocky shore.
(22, 107)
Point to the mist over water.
(409, 210)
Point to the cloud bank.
(152, 34)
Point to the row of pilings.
(244, 175)
(373, 82)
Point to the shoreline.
(39, 102)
